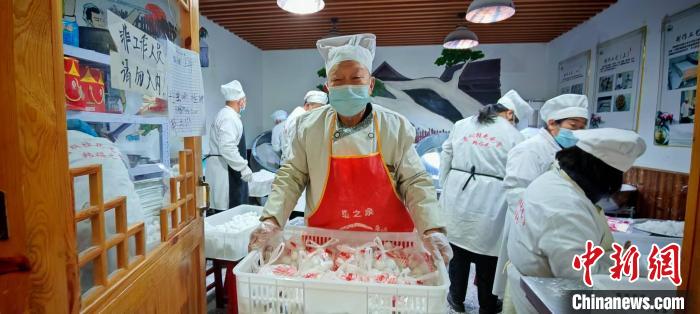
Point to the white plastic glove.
(261, 236)
(247, 174)
(437, 244)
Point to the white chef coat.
(289, 126)
(475, 215)
(526, 161)
(225, 134)
(552, 226)
(277, 135)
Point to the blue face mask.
(349, 100)
(566, 138)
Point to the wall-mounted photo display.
(573, 74)
(675, 113)
(618, 75)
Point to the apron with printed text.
(359, 194)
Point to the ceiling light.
(461, 38)
(490, 11)
(301, 6)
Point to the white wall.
(289, 74)
(620, 18)
(232, 58)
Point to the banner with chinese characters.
(573, 74)
(185, 92)
(138, 65)
(618, 76)
(675, 113)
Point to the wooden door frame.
(690, 253)
(33, 133)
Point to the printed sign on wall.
(675, 114)
(618, 76)
(139, 63)
(573, 74)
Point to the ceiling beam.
(388, 27)
(325, 25)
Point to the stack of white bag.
(237, 223)
(375, 262)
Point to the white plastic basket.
(268, 294)
(224, 245)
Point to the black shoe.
(456, 308)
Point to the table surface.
(548, 295)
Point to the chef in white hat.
(558, 215)
(472, 166)
(533, 157)
(356, 160)
(279, 116)
(312, 100)
(227, 169)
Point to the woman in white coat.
(279, 117)
(558, 215)
(227, 168)
(533, 157)
(472, 166)
(312, 100)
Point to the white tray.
(268, 294)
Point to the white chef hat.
(617, 148)
(279, 115)
(233, 90)
(513, 101)
(358, 48)
(316, 96)
(565, 106)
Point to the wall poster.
(185, 92)
(618, 76)
(675, 113)
(573, 74)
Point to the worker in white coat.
(472, 166)
(227, 168)
(279, 117)
(355, 159)
(312, 100)
(533, 157)
(558, 213)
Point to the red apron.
(359, 194)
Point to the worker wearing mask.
(227, 168)
(533, 157)
(472, 165)
(313, 99)
(278, 117)
(558, 214)
(356, 160)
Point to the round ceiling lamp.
(490, 11)
(301, 6)
(461, 38)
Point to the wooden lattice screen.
(99, 246)
(182, 201)
(174, 217)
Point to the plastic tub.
(224, 245)
(268, 294)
